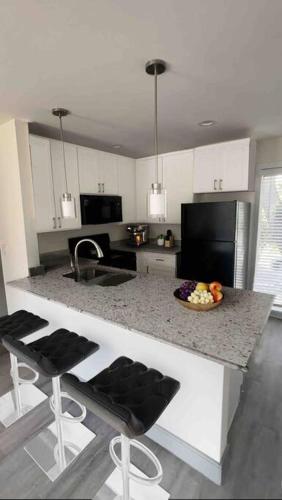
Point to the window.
(268, 268)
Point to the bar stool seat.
(20, 324)
(24, 396)
(130, 397)
(55, 447)
(54, 354)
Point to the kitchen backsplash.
(52, 242)
(157, 229)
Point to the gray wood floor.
(253, 466)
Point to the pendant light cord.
(156, 123)
(64, 155)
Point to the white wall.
(24, 159)
(52, 242)
(269, 150)
(12, 226)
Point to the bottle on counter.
(169, 239)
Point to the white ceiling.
(224, 61)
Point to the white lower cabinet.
(156, 263)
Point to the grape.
(186, 289)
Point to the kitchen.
(134, 266)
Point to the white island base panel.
(195, 425)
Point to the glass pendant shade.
(157, 202)
(68, 206)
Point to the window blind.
(268, 268)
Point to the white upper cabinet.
(49, 183)
(176, 174)
(228, 166)
(88, 165)
(126, 189)
(178, 182)
(145, 177)
(98, 171)
(108, 172)
(60, 182)
(43, 189)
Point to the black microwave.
(99, 209)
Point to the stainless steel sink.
(92, 276)
(87, 274)
(115, 279)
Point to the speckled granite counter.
(146, 304)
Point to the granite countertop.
(151, 246)
(146, 304)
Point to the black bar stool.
(129, 397)
(52, 356)
(19, 401)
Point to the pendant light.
(157, 203)
(67, 201)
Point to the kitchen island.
(205, 351)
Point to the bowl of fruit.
(199, 296)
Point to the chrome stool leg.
(58, 420)
(123, 464)
(21, 399)
(15, 377)
(125, 457)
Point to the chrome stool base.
(43, 448)
(141, 487)
(60, 443)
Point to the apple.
(215, 286)
(217, 295)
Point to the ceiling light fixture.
(67, 202)
(157, 205)
(116, 146)
(207, 123)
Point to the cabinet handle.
(160, 260)
(220, 184)
(214, 185)
(54, 223)
(147, 269)
(103, 187)
(99, 187)
(60, 222)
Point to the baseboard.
(195, 458)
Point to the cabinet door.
(108, 172)
(126, 182)
(60, 183)
(178, 182)
(88, 168)
(206, 169)
(145, 176)
(44, 201)
(234, 174)
(156, 263)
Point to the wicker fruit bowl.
(196, 307)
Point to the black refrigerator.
(214, 242)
